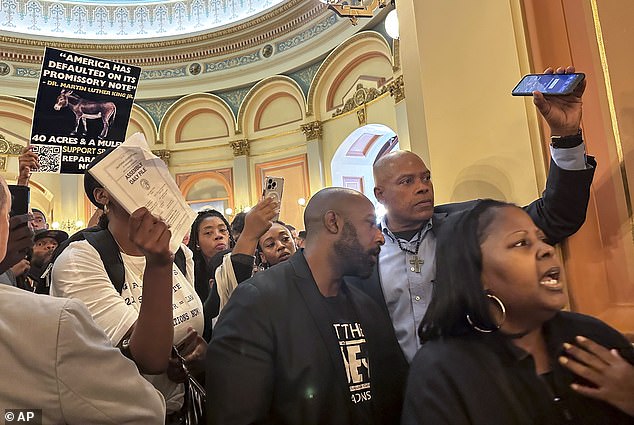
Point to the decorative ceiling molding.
(361, 96)
(9, 148)
(303, 32)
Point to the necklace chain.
(419, 240)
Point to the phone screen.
(548, 84)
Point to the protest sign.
(83, 107)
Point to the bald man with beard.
(403, 280)
(296, 345)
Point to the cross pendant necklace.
(415, 261)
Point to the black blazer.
(274, 357)
(560, 212)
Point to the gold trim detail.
(312, 130)
(9, 148)
(360, 98)
(396, 53)
(3, 162)
(362, 115)
(355, 12)
(164, 154)
(397, 89)
(612, 108)
(240, 147)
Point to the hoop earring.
(502, 309)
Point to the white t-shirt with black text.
(79, 273)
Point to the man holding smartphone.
(403, 280)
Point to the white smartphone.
(273, 188)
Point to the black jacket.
(274, 357)
(484, 379)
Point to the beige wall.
(478, 137)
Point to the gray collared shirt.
(407, 296)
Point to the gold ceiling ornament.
(9, 148)
(355, 9)
(3, 163)
(312, 130)
(360, 98)
(164, 154)
(397, 89)
(240, 147)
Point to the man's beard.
(357, 262)
(40, 260)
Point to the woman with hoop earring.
(496, 347)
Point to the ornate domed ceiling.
(182, 46)
(124, 20)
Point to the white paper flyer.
(137, 178)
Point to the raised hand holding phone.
(273, 188)
(562, 113)
(548, 84)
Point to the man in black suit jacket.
(403, 280)
(296, 345)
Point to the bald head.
(341, 200)
(389, 165)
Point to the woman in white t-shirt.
(157, 308)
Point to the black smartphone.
(20, 200)
(548, 84)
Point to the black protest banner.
(83, 107)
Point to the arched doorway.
(208, 190)
(351, 165)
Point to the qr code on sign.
(50, 158)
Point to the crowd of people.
(445, 314)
